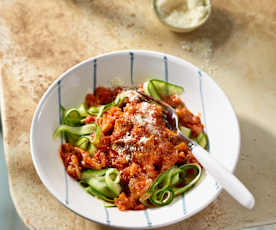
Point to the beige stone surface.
(237, 47)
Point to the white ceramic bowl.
(202, 95)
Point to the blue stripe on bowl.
(107, 217)
(184, 208)
(217, 186)
(59, 108)
(202, 101)
(61, 141)
(203, 108)
(95, 75)
(131, 66)
(146, 213)
(166, 68)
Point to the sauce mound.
(135, 140)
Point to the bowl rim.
(115, 53)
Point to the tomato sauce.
(135, 140)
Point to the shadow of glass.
(116, 12)
(256, 166)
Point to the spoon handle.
(223, 176)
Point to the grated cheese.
(183, 13)
(143, 140)
(127, 137)
(128, 157)
(143, 116)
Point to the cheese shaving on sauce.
(144, 116)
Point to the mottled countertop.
(237, 46)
